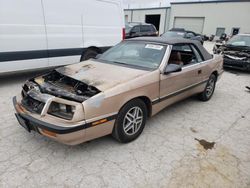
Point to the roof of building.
(152, 8)
(208, 1)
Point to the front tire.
(131, 121)
(209, 89)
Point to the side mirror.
(172, 68)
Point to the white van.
(47, 33)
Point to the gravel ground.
(190, 144)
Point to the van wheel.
(209, 89)
(90, 53)
(131, 121)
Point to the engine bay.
(59, 85)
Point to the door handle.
(199, 71)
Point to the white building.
(207, 17)
(160, 17)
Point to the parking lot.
(189, 144)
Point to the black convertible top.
(173, 41)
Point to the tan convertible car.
(116, 92)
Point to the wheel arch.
(146, 101)
(93, 48)
(215, 73)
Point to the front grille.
(32, 105)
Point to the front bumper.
(70, 135)
(34, 123)
(236, 64)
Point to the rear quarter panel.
(212, 65)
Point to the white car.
(47, 33)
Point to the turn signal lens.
(99, 122)
(48, 133)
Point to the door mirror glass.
(172, 68)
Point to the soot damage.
(59, 85)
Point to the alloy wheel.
(210, 87)
(133, 121)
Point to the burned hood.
(101, 75)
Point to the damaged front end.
(236, 57)
(56, 94)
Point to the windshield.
(240, 40)
(137, 54)
(128, 28)
(173, 34)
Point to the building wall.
(128, 13)
(139, 15)
(228, 15)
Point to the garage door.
(190, 23)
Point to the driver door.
(177, 85)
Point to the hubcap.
(210, 87)
(133, 121)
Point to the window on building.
(126, 18)
(220, 31)
(235, 30)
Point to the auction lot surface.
(176, 148)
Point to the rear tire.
(90, 53)
(209, 89)
(131, 121)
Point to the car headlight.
(64, 111)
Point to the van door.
(63, 19)
(103, 22)
(23, 42)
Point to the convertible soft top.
(173, 41)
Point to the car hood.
(101, 75)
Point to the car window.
(128, 28)
(240, 40)
(184, 47)
(173, 34)
(183, 55)
(145, 28)
(134, 53)
(136, 29)
(197, 53)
